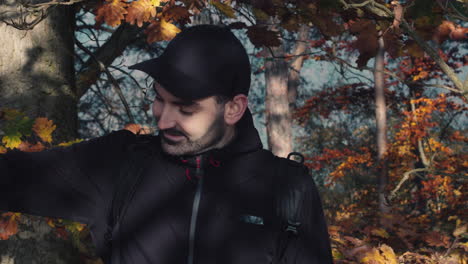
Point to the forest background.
(373, 93)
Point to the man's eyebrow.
(183, 102)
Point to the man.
(203, 191)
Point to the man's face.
(187, 128)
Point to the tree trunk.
(36, 67)
(278, 116)
(296, 65)
(37, 77)
(381, 123)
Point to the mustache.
(172, 132)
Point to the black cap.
(201, 61)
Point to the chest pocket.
(252, 241)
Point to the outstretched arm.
(73, 182)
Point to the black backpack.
(288, 189)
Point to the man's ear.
(235, 108)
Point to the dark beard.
(214, 135)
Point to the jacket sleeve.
(74, 182)
(311, 245)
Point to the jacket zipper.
(193, 220)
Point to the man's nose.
(166, 119)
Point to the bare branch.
(53, 3)
(114, 82)
(405, 177)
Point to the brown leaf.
(237, 25)
(261, 36)
(437, 239)
(326, 25)
(141, 11)
(177, 13)
(366, 42)
(112, 12)
(413, 49)
(393, 44)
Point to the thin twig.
(113, 81)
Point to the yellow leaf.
(459, 230)
(337, 254)
(380, 232)
(141, 11)
(44, 127)
(373, 257)
(224, 8)
(168, 30)
(75, 227)
(50, 222)
(3, 150)
(388, 254)
(112, 12)
(12, 141)
(69, 143)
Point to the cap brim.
(176, 82)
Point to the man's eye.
(185, 112)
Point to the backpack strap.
(289, 201)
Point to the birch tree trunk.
(281, 83)
(278, 116)
(381, 123)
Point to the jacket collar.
(245, 141)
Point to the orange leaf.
(141, 11)
(28, 147)
(44, 127)
(9, 227)
(111, 12)
(448, 29)
(161, 30)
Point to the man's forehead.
(159, 89)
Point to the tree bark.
(278, 115)
(296, 65)
(381, 123)
(37, 77)
(36, 68)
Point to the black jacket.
(232, 219)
